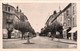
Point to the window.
(68, 22)
(73, 10)
(67, 12)
(8, 16)
(9, 9)
(73, 22)
(61, 18)
(6, 8)
(64, 16)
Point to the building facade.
(11, 16)
(67, 19)
(8, 16)
(70, 21)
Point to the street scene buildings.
(59, 31)
(66, 22)
(14, 21)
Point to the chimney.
(54, 12)
(17, 8)
(59, 9)
(20, 11)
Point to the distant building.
(60, 18)
(49, 21)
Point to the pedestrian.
(57, 34)
(28, 37)
(49, 34)
(24, 35)
(52, 36)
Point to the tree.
(56, 26)
(23, 27)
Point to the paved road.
(37, 42)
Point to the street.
(33, 25)
(36, 42)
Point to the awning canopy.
(73, 30)
(15, 31)
(64, 29)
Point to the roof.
(49, 18)
(66, 7)
(7, 5)
(21, 14)
(62, 11)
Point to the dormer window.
(9, 9)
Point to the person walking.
(49, 34)
(28, 37)
(53, 34)
(57, 34)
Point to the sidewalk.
(65, 41)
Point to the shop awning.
(64, 29)
(73, 30)
(15, 31)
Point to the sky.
(38, 13)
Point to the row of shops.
(14, 34)
(70, 33)
(17, 34)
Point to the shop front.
(65, 34)
(73, 33)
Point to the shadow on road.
(28, 43)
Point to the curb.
(67, 42)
